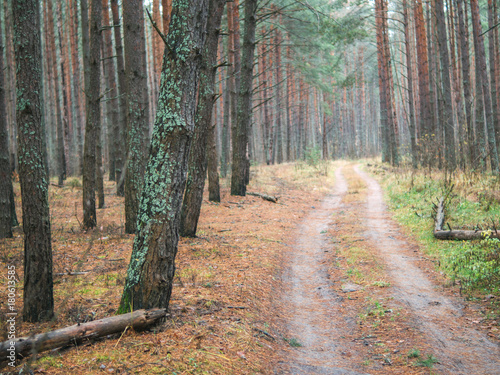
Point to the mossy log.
(457, 234)
(24, 346)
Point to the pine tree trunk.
(121, 131)
(411, 104)
(493, 71)
(447, 118)
(53, 64)
(38, 287)
(92, 89)
(213, 173)
(464, 52)
(152, 266)
(384, 122)
(244, 115)
(5, 171)
(426, 110)
(484, 82)
(279, 78)
(198, 158)
(76, 88)
(111, 90)
(137, 108)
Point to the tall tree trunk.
(493, 70)
(92, 90)
(213, 173)
(382, 73)
(411, 104)
(485, 88)
(464, 52)
(198, 157)
(137, 108)
(76, 88)
(152, 265)
(38, 286)
(393, 129)
(426, 110)
(6, 191)
(244, 115)
(121, 140)
(53, 64)
(112, 103)
(448, 118)
(279, 78)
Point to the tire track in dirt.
(460, 349)
(310, 305)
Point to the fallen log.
(465, 235)
(24, 346)
(457, 234)
(265, 197)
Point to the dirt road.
(338, 326)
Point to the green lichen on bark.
(152, 265)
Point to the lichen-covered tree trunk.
(92, 90)
(137, 108)
(38, 287)
(152, 265)
(5, 172)
(121, 132)
(198, 157)
(244, 115)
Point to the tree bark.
(448, 118)
(137, 108)
(485, 88)
(152, 265)
(38, 287)
(198, 158)
(92, 90)
(464, 52)
(121, 133)
(138, 320)
(426, 111)
(240, 138)
(5, 167)
(411, 103)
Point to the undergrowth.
(474, 204)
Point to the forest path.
(339, 330)
(461, 349)
(311, 308)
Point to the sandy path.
(460, 349)
(311, 306)
(313, 310)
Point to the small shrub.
(414, 353)
(428, 362)
(475, 264)
(74, 183)
(293, 342)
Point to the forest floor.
(321, 282)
